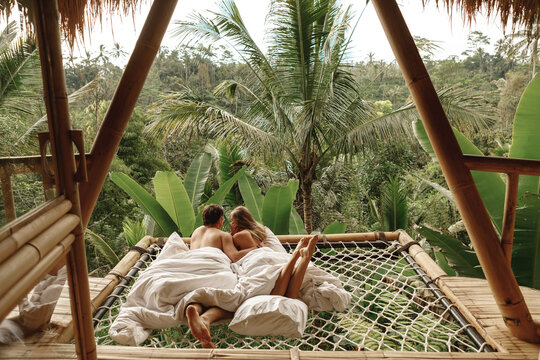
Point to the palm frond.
(394, 205)
(102, 246)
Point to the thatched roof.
(515, 12)
(77, 15)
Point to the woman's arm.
(231, 251)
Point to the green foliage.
(394, 205)
(251, 193)
(102, 246)
(335, 228)
(276, 209)
(172, 195)
(133, 231)
(196, 177)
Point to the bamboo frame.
(46, 23)
(15, 293)
(11, 244)
(7, 196)
(123, 102)
(502, 165)
(31, 253)
(502, 282)
(371, 236)
(509, 218)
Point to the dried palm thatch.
(76, 15)
(516, 12)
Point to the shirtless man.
(210, 235)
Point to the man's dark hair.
(211, 214)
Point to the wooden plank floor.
(472, 293)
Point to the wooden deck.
(473, 298)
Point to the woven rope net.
(391, 309)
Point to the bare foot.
(302, 244)
(309, 249)
(199, 329)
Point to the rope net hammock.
(395, 306)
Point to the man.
(210, 235)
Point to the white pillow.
(273, 242)
(270, 315)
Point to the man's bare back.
(208, 236)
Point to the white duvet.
(179, 277)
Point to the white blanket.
(179, 277)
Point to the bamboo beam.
(7, 196)
(502, 164)
(30, 216)
(46, 23)
(483, 236)
(12, 243)
(30, 164)
(371, 236)
(123, 102)
(430, 267)
(16, 293)
(509, 218)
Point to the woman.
(248, 233)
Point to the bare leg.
(297, 277)
(200, 323)
(282, 282)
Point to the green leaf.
(221, 193)
(526, 249)
(196, 177)
(277, 206)
(490, 185)
(293, 187)
(102, 246)
(296, 225)
(133, 231)
(252, 196)
(526, 132)
(147, 203)
(443, 263)
(335, 228)
(394, 205)
(462, 259)
(172, 195)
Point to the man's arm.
(230, 250)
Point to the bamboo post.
(124, 100)
(46, 23)
(7, 196)
(502, 282)
(509, 218)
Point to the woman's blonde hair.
(245, 221)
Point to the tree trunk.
(308, 210)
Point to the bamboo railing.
(457, 171)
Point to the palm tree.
(304, 105)
(527, 40)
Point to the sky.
(432, 23)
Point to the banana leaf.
(230, 160)
(462, 259)
(296, 225)
(526, 249)
(335, 228)
(149, 205)
(196, 177)
(277, 206)
(102, 246)
(526, 132)
(172, 195)
(252, 196)
(490, 185)
(221, 193)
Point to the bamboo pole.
(31, 253)
(502, 164)
(46, 24)
(509, 219)
(15, 293)
(371, 236)
(11, 244)
(483, 236)
(430, 267)
(123, 102)
(7, 196)
(30, 216)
